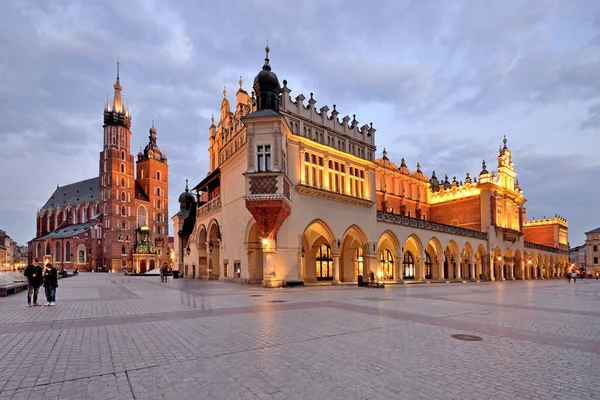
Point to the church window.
(123, 198)
(38, 250)
(158, 217)
(122, 155)
(105, 167)
(158, 192)
(68, 252)
(263, 153)
(142, 175)
(141, 216)
(122, 182)
(123, 168)
(120, 238)
(123, 251)
(158, 175)
(409, 266)
(123, 211)
(57, 251)
(81, 256)
(158, 230)
(123, 225)
(158, 204)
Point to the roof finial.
(267, 67)
(224, 91)
(118, 65)
(385, 157)
(241, 82)
(212, 120)
(186, 185)
(504, 148)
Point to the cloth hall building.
(296, 194)
(115, 221)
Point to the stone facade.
(116, 221)
(297, 195)
(592, 252)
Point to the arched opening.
(316, 234)
(434, 256)
(352, 254)
(519, 272)
(68, 252)
(122, 155)
(141, 216)
(450, 261)
(152, 265)
(158, 175)
(408, 266)
(387, 250)
(123, 198)
(143, 267)
(467, 261)
(122, 182)
(214, 251)
(254, 249)
(123, 211)
(324, 263)
(123, 168)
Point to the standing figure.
(50, 284)
(33, 273)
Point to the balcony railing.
(211, 205)
(431, 226)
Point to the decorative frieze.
(333, 196)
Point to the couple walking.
(36, 277)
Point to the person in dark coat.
(33, 273)
(50, 284)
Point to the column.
(440, 267)
(302, 265)
(511, 270)
(458, 270)
(336, 268)
(369, 265)
(472, 269)
(303, 178)
(421, 268)
(500, 266)
(535, 270)
(399, 267)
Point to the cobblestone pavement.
(117, 337)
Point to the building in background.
(577, 258)
(115, 221)
(294, 194)
(592, 252)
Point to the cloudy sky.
(442, 81)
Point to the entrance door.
(143, 267)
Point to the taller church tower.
(117, 182)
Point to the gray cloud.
(427, 60)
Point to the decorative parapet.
(333, 196)
(557, 220)
(428, 225)
(211, 205)
(535, 246)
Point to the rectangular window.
(237, 269)
(226, 269)
(595, 260)
(595, 247)
(263, 154)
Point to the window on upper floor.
(158, 175)
(122, 155)
(595, 247)
(263, 157)
(595, 260)
(313, 170)
(123, 168)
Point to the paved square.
(118, 337)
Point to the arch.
(316, 234)
(214, 250)
(467, 262)
(254, 251)
(123, 196)
(391, 236)
(123, 168)
(122, 182)
(158, 191)
(388, 247)
(353, 246)
(158, 175)
(123, 211)
(518, 268)
(47, 248)
(322, 228)
(122, 155)
(433, 260)
(451, 253)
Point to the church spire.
(117, 100)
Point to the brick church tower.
(135, 228)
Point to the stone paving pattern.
(117, 337)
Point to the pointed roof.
(597, 230)
(75, 193)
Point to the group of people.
(163, 273)
(38, 276)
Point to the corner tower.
(267, 184)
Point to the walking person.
(165, 272)
(33, 273)
(569, 276)
(50, 284)
(161, 271)
(574, 276)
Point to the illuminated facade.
(297, 195)
(592, 252)
(117, 220)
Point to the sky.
(442, 82)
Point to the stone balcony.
(267, 186)
(209, 206)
